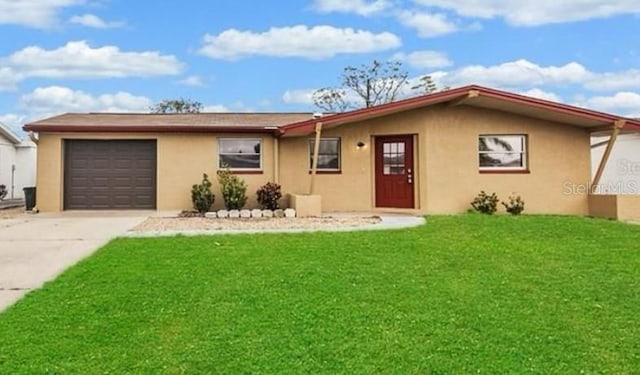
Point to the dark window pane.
(502, 151)
(501, 160)
(328, 154)
(241, 161)
(239, 146)
(328, 162)
(501, 143)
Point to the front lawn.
(462, 294)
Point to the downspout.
(13, 179)
(618, 125)
(316, 151)
(276, 160)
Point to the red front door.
(394, 171)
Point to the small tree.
(426, 85)
(233, 188)
(202, 196)
(176, 106)
(268, 195)
(363, 86)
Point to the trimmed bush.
(233, 188)
(515, 206)
(486, 204)
(202, 196)
(3, 192)
(268, 196)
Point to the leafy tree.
(363, 86)
(426, 85)
(176, 106)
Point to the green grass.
(462, 294)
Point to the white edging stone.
(223, 214)
(245, 214)
(289, 213)
(210, 215)
(256, 213)
(267, 213)
(234, 214)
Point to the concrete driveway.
(35, 249)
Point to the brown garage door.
(109, 175)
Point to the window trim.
(498, 169)
(241, 170)
(326, 170)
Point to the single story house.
(17, 163)
(430, 154)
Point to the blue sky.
(61, 56)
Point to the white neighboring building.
(17, 163)
(622, 173)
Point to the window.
(502, 152)
(393, 158)
(328, 154)
(240, 154)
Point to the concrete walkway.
(35, 249)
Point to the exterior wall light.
(360, 144)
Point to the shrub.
(486, 204)
(202, 196)
(515, 206)
(234, 189)
(268, 195)
(3, 192)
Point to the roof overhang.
(149, 129)
(10, 135)
(479, 97)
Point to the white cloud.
(531, 13)
(427, 25)
(193, 81)
(79, 60)
(8, 79)
(626, 102)
(610, 81)
(541, 94)
(424, 59)
(40, 14)
(361, 7)
(300, 96)
(52, 100)
(93, 21)
(215, 108)
(520, 73)
(319, 42)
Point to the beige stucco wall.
(446, 162)
(604, 206)
(624, 207)
(629, 207)
(181, 161)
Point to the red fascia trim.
(145, 129)
(380, 109)
(308, 125)
(540, 103)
